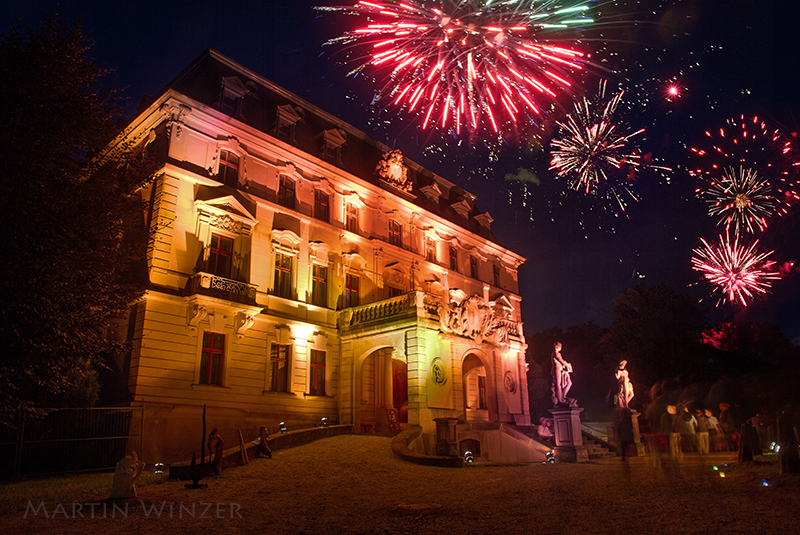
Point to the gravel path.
(353, 484)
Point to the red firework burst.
(766, 153)
(738, 272)
(469, 65)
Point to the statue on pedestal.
(624, 393)
(126, 475)
(562, 381)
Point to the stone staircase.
(597, 447)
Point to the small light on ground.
(158, 468)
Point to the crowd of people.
(683, 430)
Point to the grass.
(69, 488)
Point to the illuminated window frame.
(352, 287)
(453, 258)
(287, 192)
(280, 361)
(228, 170)
(316, 372)
(212, 359)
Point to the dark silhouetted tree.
(658, 331)
(72, 226)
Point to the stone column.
(569, 440)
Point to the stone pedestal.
(569, 440)
(611, 431)
(446, 437)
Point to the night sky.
(730, 57)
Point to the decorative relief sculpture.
(242, 323)
(226, 222)
(392, 170)
(439, 372)
(196, 314)
(509, 382)
(474, 318)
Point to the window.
(473, 267)
(220, 256)
(319, 286)
(496, 274)
(351, 291)
(286, 192)
(453, 259)
(321, 211)
(395, 292)
(228, 168)
(283, 275)
(211, 359)
(482, 392)
(279, 363)
(430, 250)
(316, 364)
(395, 233)
(352, 218)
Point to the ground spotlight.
(323, 422)
(282, 428)
(550, 457)
(764, 483)
(158, 468)
(468, 457)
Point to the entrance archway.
(478, 389)
(383, 386)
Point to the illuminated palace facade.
(300, 270)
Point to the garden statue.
(624, 393)
(562, 381)
(126, 475)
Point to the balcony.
(222, 288)
(412, 304)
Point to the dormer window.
(286, 121)
(332, 141)
(228, 172)
(231, 97)
(286, 193)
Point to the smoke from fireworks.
(470, 65)
(738, 272)
(595, 153)
(741, 199)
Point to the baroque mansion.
(300, 270)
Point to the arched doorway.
(383, 387)
(477, 390)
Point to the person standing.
(702, 432)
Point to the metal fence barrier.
(71, 440)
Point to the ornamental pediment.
(226, 212)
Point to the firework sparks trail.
(596, 153)
(475, 64)
(765, 190)
(738, 272)
(742, 200)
